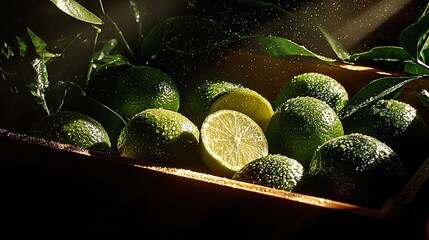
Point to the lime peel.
(246, 101)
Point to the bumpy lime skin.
(161, 136)
(128, 90)
(315, 85)
(356, 168)
(273, 170)
(72, 128)
(397, 124)
(300, 125)
(196, 104)
(246, 101)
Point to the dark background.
(90, 199)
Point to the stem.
(91, 61)
(127, 46)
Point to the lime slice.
(246, 101)
(230, 140)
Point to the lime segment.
(229, 140)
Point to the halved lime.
(196, 103)
(230, 140)
(246, 101)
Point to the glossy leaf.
(40, 46)
(374, 91)
(424, 53)
(279, 47)
(40, 86)
(415, 69)
(22, 46)
(414, 38)
(336, 46)
(107, 56)
(391, 57)
(90, 11)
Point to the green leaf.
(413, 38)
(189, 35)
(280, 47)
(424, 53)
(22, 46)
(336, 46)
(40, 86)
(38, 42)
(40, 46)
(391, 57)
(374, 91)
(415, 69)
(107, 57)
(90, 11)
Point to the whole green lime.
(129, 90)
(300, 125)
(161, 136)
(397, 124)
(315, 85)
(355, 168)
(197, 102)
(273, 170)
(72, 128)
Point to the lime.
(71, 128)
(129, 90)
(300, 125)
(196, 104)
(273, 170)
(246, 101)
(397, 124)
(315, 85)
(355, 168)
(161, 136)
(229, 140)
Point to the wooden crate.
(56, 189)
